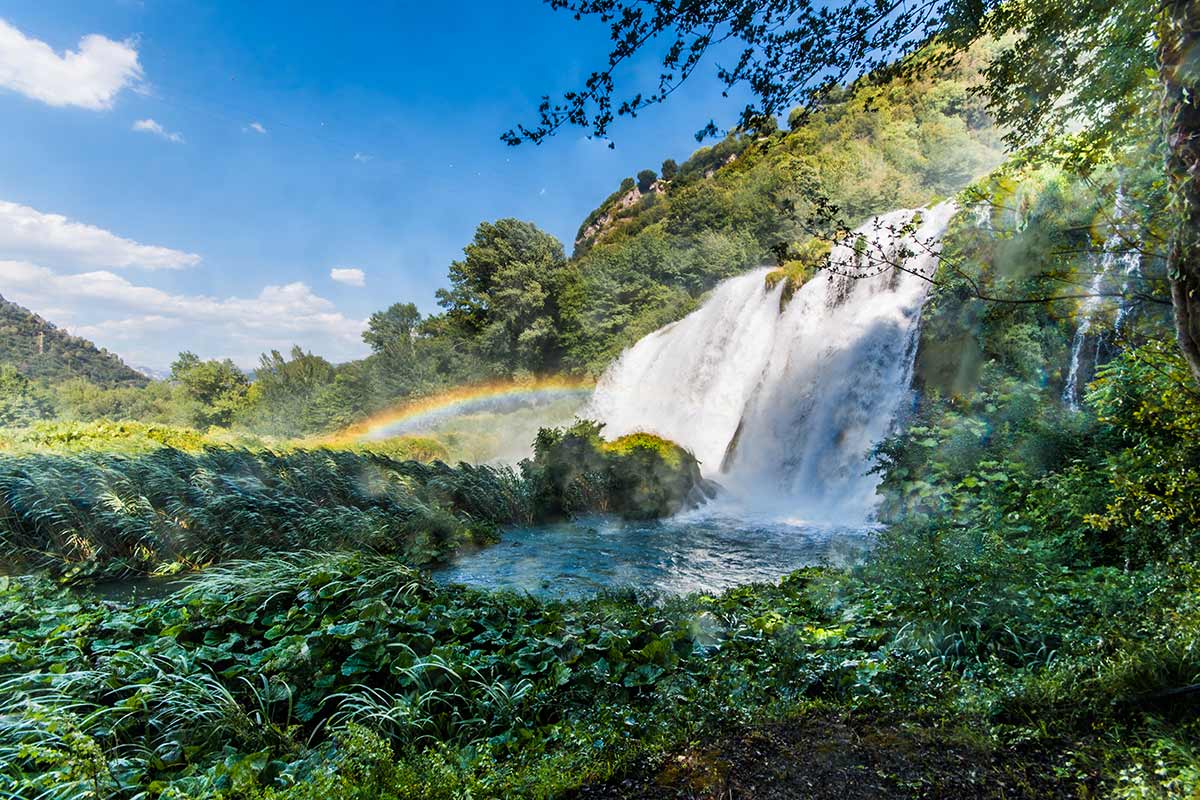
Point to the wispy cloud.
(150, 126)
(130, 317)
(26, 233)
(90, 77)
(349, 276)
(362, 157)
(255, 127)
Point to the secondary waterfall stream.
(782, 401)
(1116, 259)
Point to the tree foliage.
(506, 297)
(393, 331)
(21, 401)
(218, 389)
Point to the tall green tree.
(292, 396)
(393, 332)
(406, 361)
(218, 389)
(21, 400)
(507, 297)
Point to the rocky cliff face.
(607, 214)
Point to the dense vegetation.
(170, 500)
(169, 510)
(1031, 607)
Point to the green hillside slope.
(41, 351)
(657, 244)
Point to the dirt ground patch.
(847, 757)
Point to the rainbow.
(498, 396)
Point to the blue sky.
(187, 175)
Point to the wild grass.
(103, 513)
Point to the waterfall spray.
(786, 403)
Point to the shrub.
(639, 476)
(646, 179)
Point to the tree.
(21, 401)
(164, 402)
(217, 388)
(669, 168)
(392, 332)
(291, 396)
(506, 297)
(1179, 70)
(282, 379)
(1074, 78)
(646, 179)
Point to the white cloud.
(362, 158)
(150, 126)
(256, 127)
(90, 77)
(132, 318)
(348, 276)
(26, 233)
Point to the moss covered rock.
(637, 476)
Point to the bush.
(646, 179)
(639, 476)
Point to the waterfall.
(1113, 256)
(782, 403)
(1091, 303)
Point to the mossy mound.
(631, 444)
(804, 260)
(637, 476)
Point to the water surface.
(706, 552)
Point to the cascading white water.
(1090, 305)
(783, 406)
(1114, 256)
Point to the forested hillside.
(755, 197)
(43, 352)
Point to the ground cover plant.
(317, 674)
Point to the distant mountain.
(42, 351)
(154, 373)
